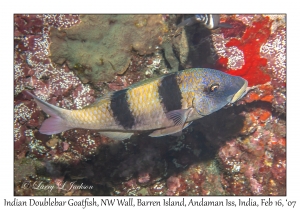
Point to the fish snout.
(243, 84)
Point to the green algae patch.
(102, 45)
(26, 167)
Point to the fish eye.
(214, 87)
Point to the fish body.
(165, 105)
(208, 20)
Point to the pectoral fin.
(180, 132)
(117, 135)
(178, 119)
(174, 131)
(166, 131)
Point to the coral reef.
(239, 150)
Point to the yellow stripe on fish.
(144, 104)
(165, 105)
(92, 116)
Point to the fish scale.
(145, 104)
(187, 99)
(164, 105)
(86, 118)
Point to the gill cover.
(216, 90)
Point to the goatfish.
(162, 106)
(209, 21)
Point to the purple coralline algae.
(239, 150)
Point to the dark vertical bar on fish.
(170, 93)
(120, 108)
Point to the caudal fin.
(55, 124)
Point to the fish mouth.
(242, 91)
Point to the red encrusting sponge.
(250, 43)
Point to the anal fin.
(117, 135)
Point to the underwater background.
(71, 60)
